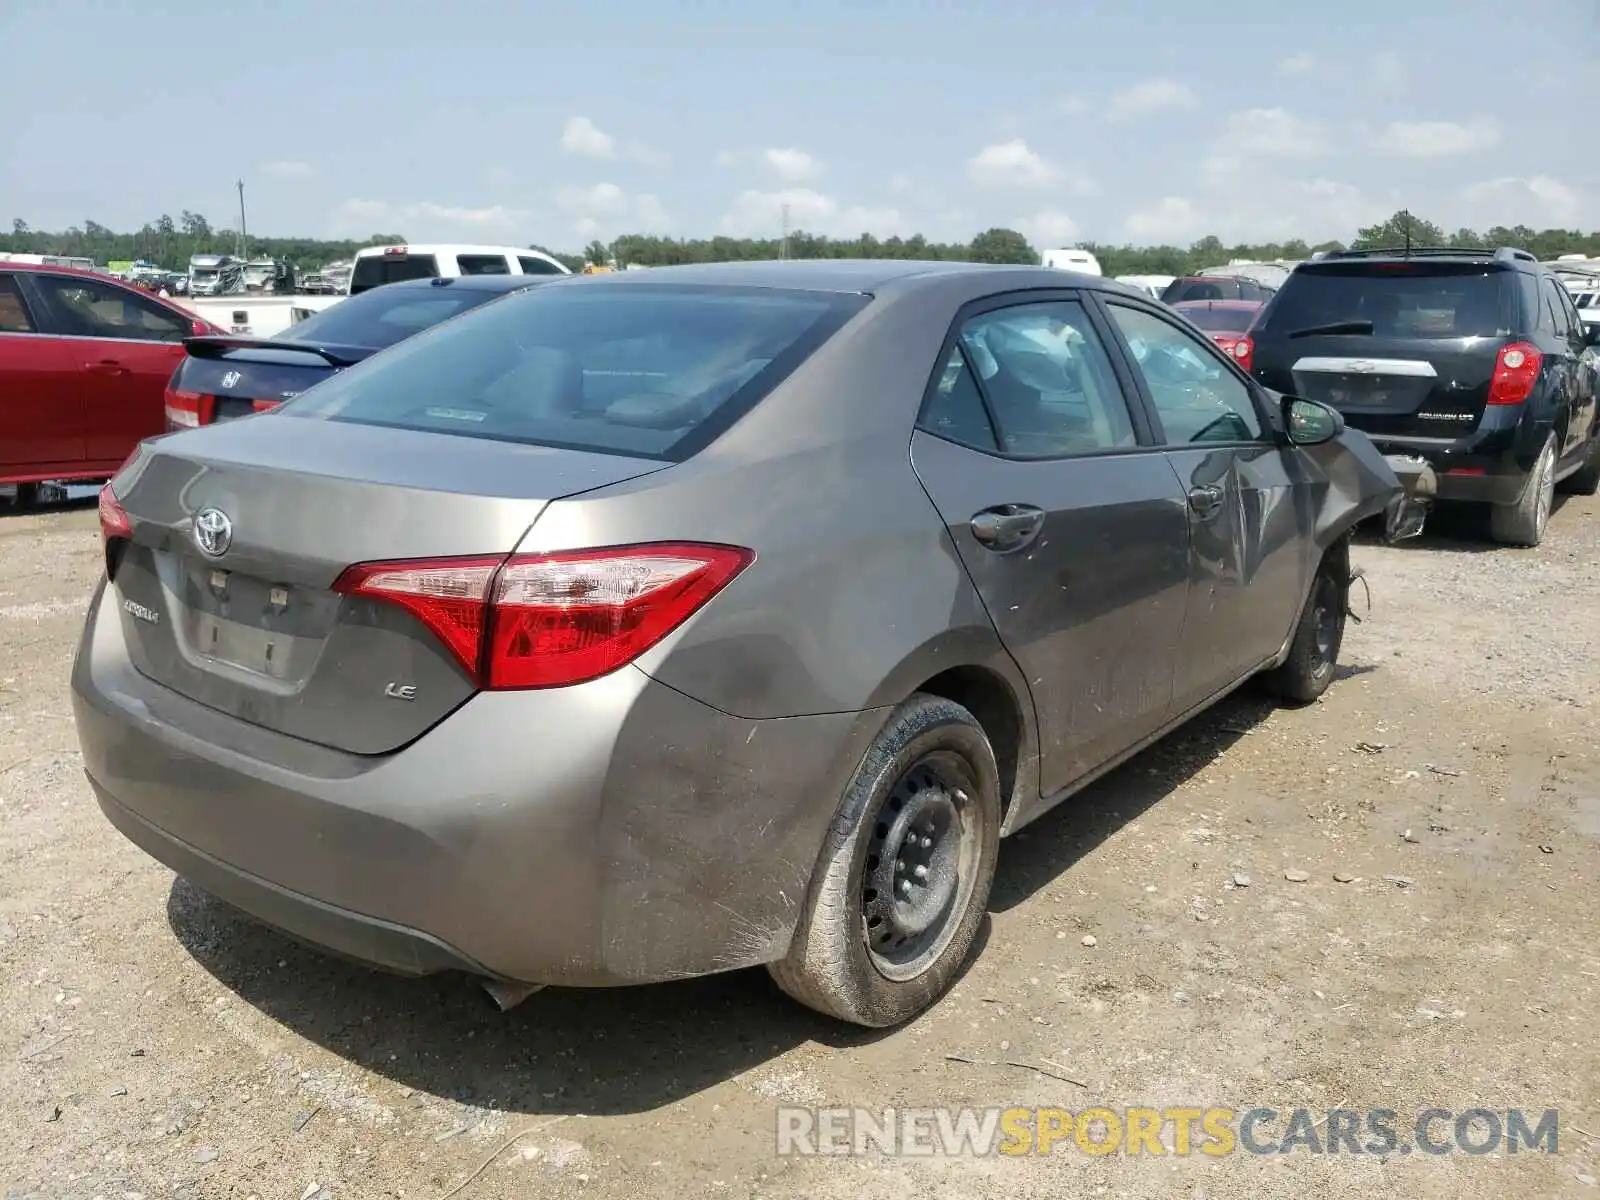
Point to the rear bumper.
(1485, 470)
(617, 832)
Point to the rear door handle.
(1007, 526)
(108, 366)
(1206, 500)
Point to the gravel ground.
(1384, 900)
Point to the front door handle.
(1007, 526)
(1206, 500)
(108, 366)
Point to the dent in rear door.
(1090, 602)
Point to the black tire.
(1586, 480)
(931, 762)
(1318, 634)
(1524, 523)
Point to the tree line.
(169, 243)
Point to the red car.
(1227, 321)
(84, 364)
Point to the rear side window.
(375, 270)
(645, 370)
(383, 317)
(1401, 299)
(14, 316)
(1034, 380)
(483, 264)
(538, 266)
(1558, 308)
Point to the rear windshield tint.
(1202, 289)
(1221, 320)
(1401, 299)
(378, 269)
(381, 318)
(638, 369)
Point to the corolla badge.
(1360, 368)
(230, 379)
(213, 532)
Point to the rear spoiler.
(218, 347)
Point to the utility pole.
(244, 233)
(783, 246)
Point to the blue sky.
(492, 120)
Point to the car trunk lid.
(1432, 388)
(238, 611)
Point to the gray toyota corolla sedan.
(669, 622)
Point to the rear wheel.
(1524, 523)
(1314, 648)
(1586, 480)
(904, 877)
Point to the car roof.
(1223, 304)
(848, 275)
(59, 269)
(471, 283)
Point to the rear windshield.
(381, 318)
(639, 369)
(375, 270)
(1202, 289)
(1220, 320)
(1401, 299)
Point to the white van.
(378, 265)
(1072, 258)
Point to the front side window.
(1033, 380)
(538, 266)
(1199, 398)
(89, 308)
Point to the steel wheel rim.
(922, 855)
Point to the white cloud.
(607, 209)
(1047, 227)
(1539, 200)
(1296, 64)
(1011, 164)
(792, 166)
(1273, 208)
(1258, 134)
(1387, 71)
(426, 220)
(1172, 220)
(286, 168)
(583, 137)
(1151, 96)
(760, 214)
(1438, 139)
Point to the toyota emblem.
(213, 532)
(1362, 368)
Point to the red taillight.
(552, 620)
(186, 410)
(114, 521)
(264, 405)
(1241, 349)
(1516, 370)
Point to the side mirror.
(1308, 423)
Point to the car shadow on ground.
(629, 1050)
(1450, 529)
(1037, 855)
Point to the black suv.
(1475, 362)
